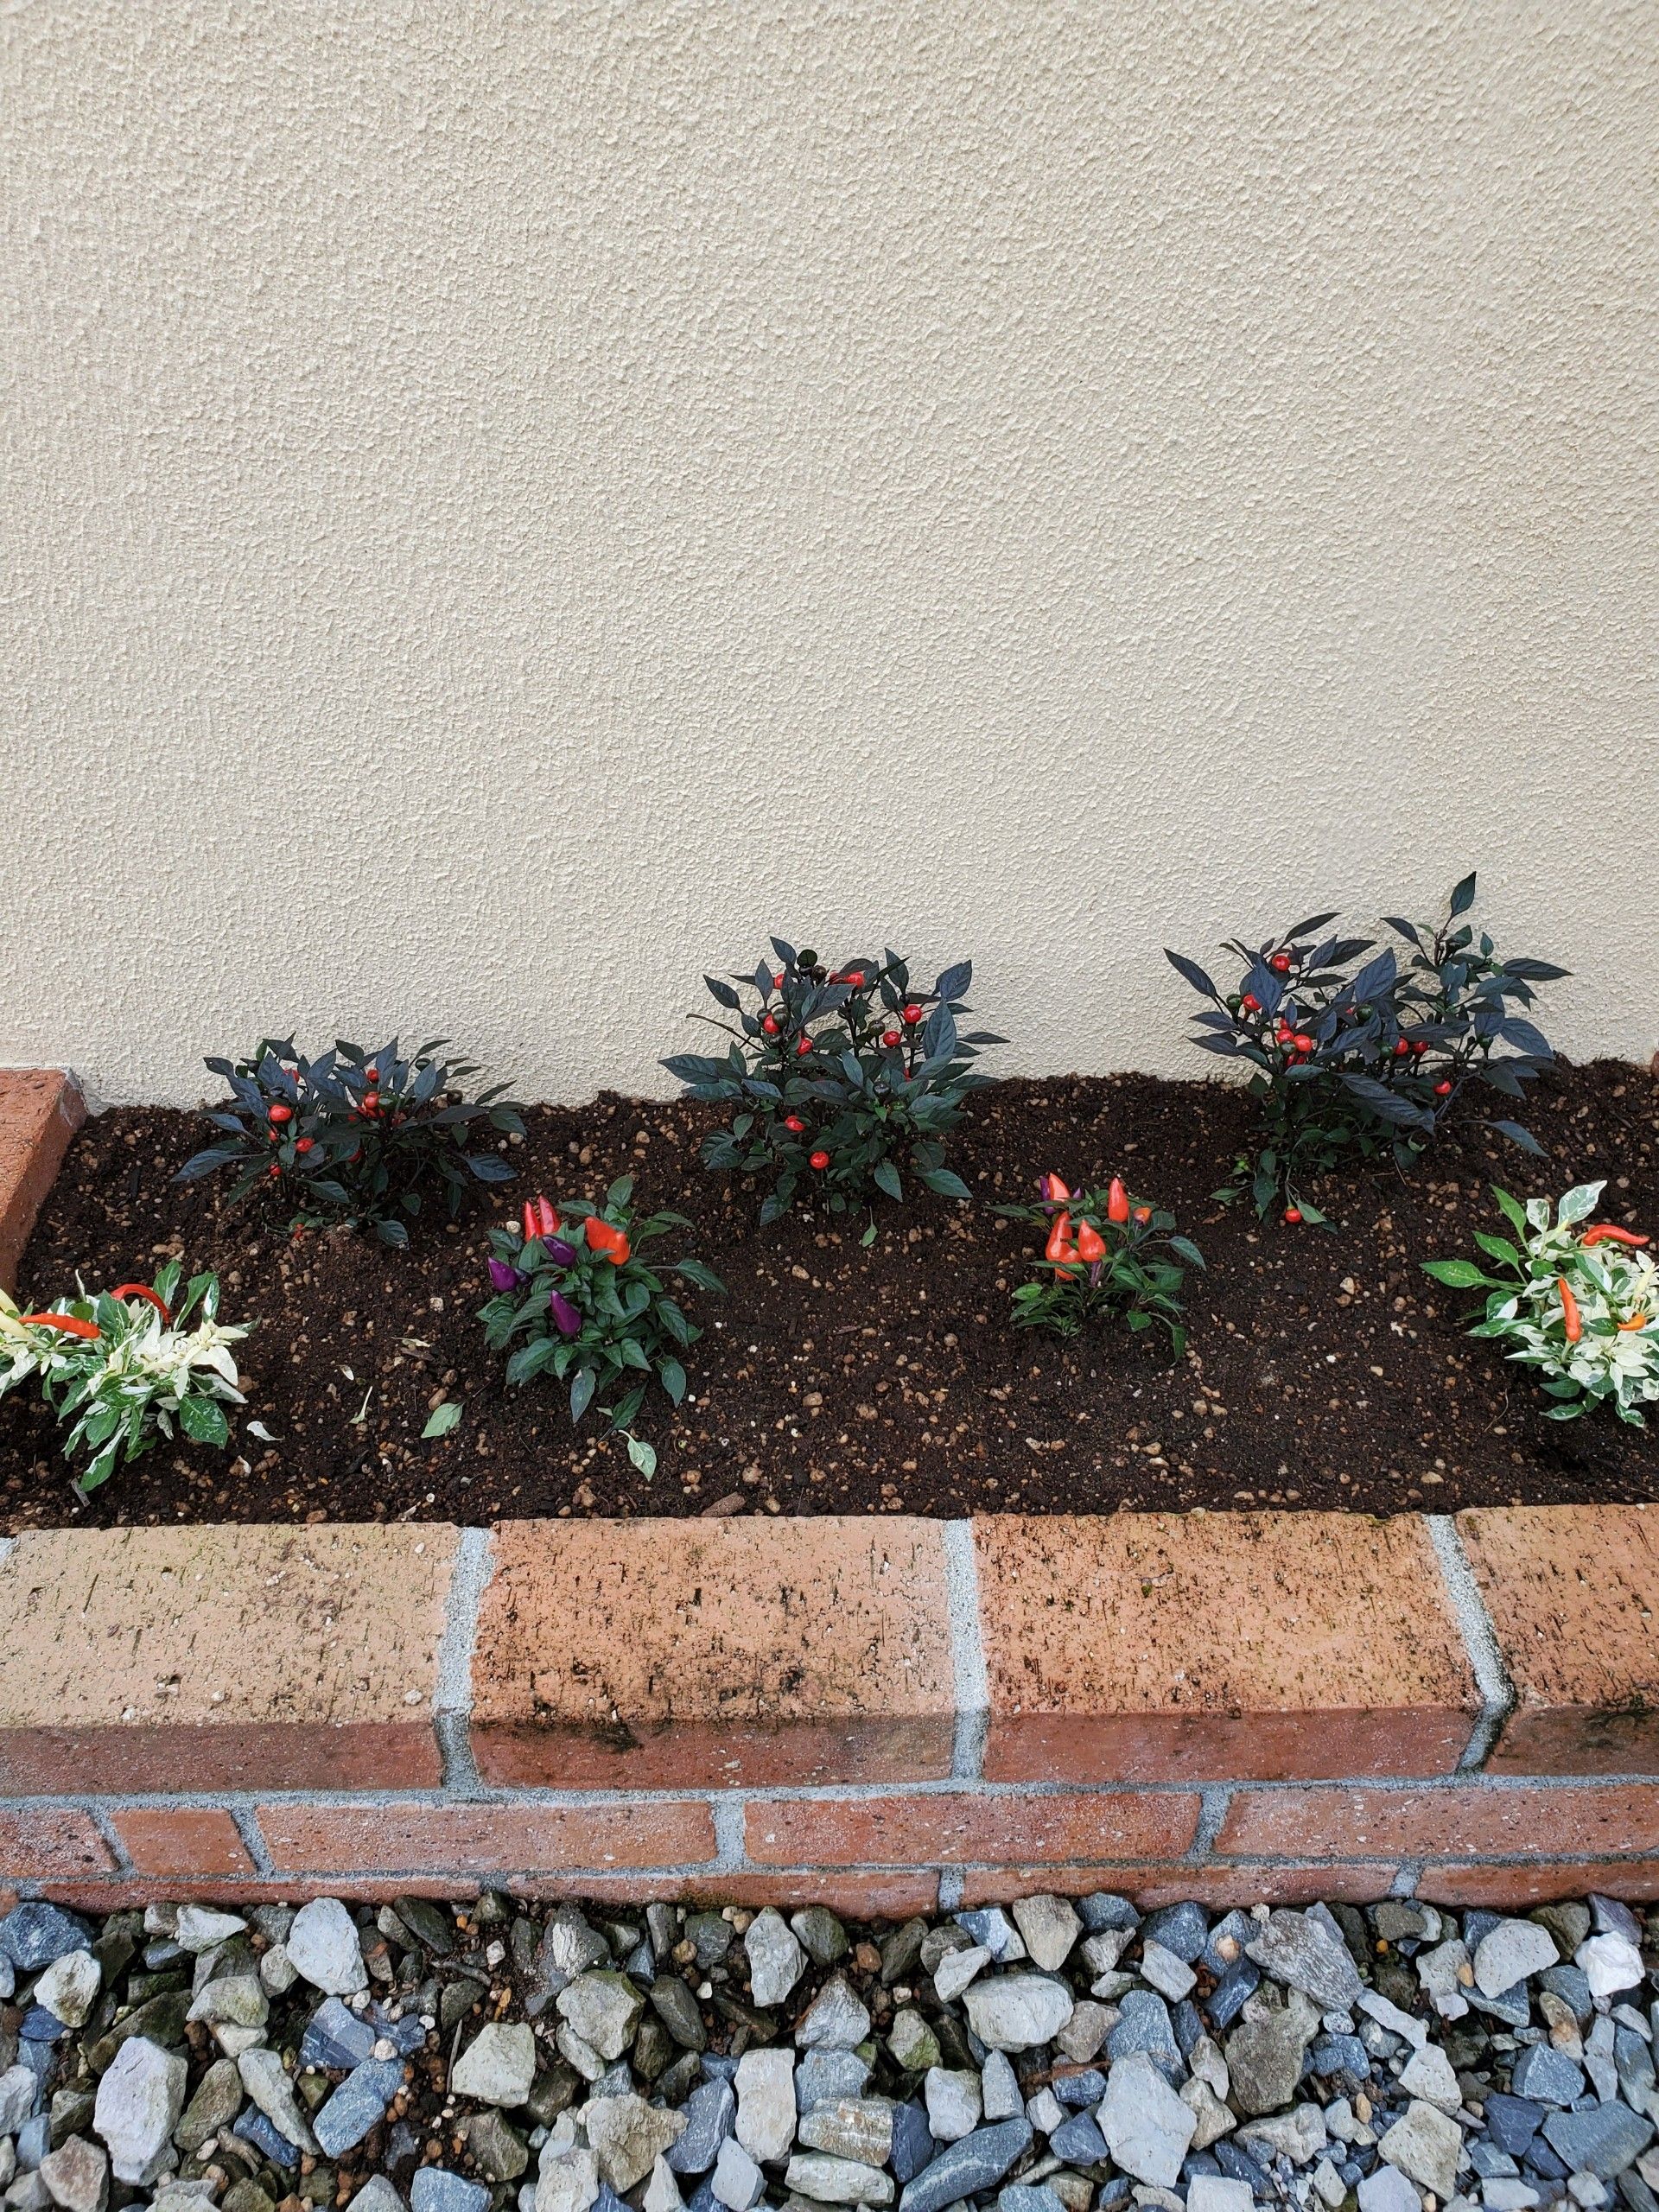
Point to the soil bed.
(1323, 1369)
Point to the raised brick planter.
(882, 1713)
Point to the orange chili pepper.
(69, 1322)
(1117, 1201)
(1091, 1245)
(603, 1236)
(1051, 1188)
(1059, 1247)
(1605, 1233)
(143, 1290)
(1570, 1316)
(1635, 1321)
(539, 1219)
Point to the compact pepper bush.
(842, 1077)
(354, 1137)
(1580, 1303)
(1104, 1252)
(1367, 1059)
(124, 1368)
(573, 1298)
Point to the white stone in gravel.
(17, 2087)
(323, 1948)
(1387, 2189)
(1428, 2074)
(662, 2190)
(835, 2181)
(1217, 2193)
(627, 2136)
(834, 2020)
(858, 2128)
(497, 2067)
(138, 2107)
(1425, 2144)
(1050, 1927)
(77, 2176)
(956, 1969)
(1511, 1952)
(266, 2080)
(1298, 2135)
(766, 2102)
(1508, 2193)
(1205, 2063)
(568, 2180)
(1017, 2011)
(737, 2182)
(1146, 2126)
(999, 2088)
(1445, 1973)
(953, 2101)
(200, 1927)
(1390, 2016)
(1086, 2031)
(377, 2194)
(1170, 1976)
(603, 2010)
(581, 2054)
(1045, 2111)
(69, 1988)
(1328, 2185)
(776, 1958)
(1212, 2119)
(279, 1974)
(1610, 1963)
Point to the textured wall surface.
(504, 502)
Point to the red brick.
(50, 1845)
(860, 1897)
(1473, 1819)
(1245, 1646)
(1573, 1591)
(486, 1839)
(182, 1841)
(685, 1653)
(956, 1828)
(1637, 1879)
(41, 1108)
(1219, 1887)
(153, 1660)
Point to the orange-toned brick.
(1472, 1818)
(1249, 1646)
(50, 1845)
(153, 1660)
(963, 1828)
(41, 1108)
(414, 1839)
(1218, 1886)
(1573, 1591)
(687, 1653)
(1511, 1887)
(860, 1897)
(182, 1841)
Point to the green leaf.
(945, 1182)
(443, 1418)
(643, 1456)
(583, 1386)
(886, 1179)
(203, 1420)
(1458, 1275)
(1498, 1247)
(671, 1375)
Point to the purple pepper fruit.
(502, 1276)
(562, 1255)
(566, 1320)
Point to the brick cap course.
(41, 1108)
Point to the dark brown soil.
(1323, 1369)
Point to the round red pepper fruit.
(1280, 963)
(913, 1015)
(794, 1121)
(856, 977)
(1401, 1048)
(1250, 1003)
(280, 1114)
(1302, 1041)
(371, 1075)
(820, 1160)
(304, 1144)
(371, 1101)
(1293, 1215)
(273, 1169)
(890, 1038)
(770, 1025)
(1443, 1089)
(802, 1048)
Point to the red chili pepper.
(856, 977)
(1293, 1215)
(604, 1236)
(1605, 1233)
(540, 1219)
(69, 1322)
(770, 1025)
(1250, 1003)
(1091, 1245)
(1572, 1320)
(794, 1121)
(1117, 1201)
(912, 1014)
(1060, 1238)
(820, 1161)
(890, 1038)
(304, 1144)
(1051, 1188)
(143, 1290)
(1280, 963)
(279, 1114)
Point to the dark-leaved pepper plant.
(573, 1298)
(842, 1077)
(355, 1137)
(1355, 1051)
(1104, 1252)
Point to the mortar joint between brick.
(1479, 1641)
(112, 1835)
(1214, 1798)
(246, 1823)
(1404, 1884)
(968, 1671)
(730, 1816)
(452, 1700)
(953, 1883)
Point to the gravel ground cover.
(1056, 2057)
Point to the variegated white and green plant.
(1580, 1303)
(128, 1368)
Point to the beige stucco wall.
(504, 501)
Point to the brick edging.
(881, 1711)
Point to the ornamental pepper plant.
(355, 1137)
(1354, 1051)
(1104, 1252)
(1580, 1303)
(573, 1297)
(842, 1077)
(125, 1370)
